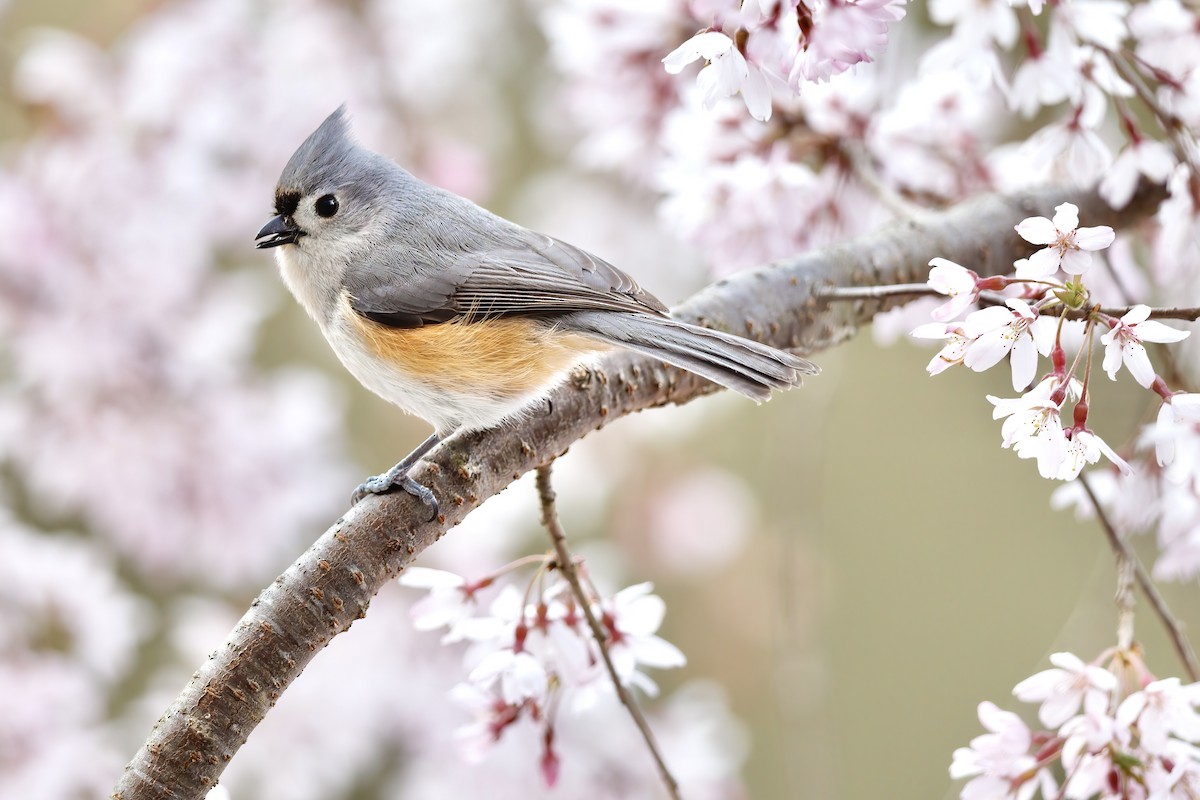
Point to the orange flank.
(510, 355)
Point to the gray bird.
(457, 315)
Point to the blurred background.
(850, 569)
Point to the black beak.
(281, 229)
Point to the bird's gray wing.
(540, 277)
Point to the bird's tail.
(745, 366)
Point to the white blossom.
(1123, 344)
(1069, 246)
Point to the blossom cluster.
(1024, 319)
(1022, 330)
(1111, 730)
(753, 160)
(531, 653)
(780, 44)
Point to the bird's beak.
(282, 230)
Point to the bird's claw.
(376, 484)
(382, 484)
(422, 493)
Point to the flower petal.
(1138, 314)
(1066, 217)
(1138, 362)
(1152, 331)
(1044, 263)
(1096, 238)
(1037, 230)
(706, 45)
(757, 95)
(1076, 262)
(1023, 361)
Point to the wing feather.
(541, 276)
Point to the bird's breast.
(482, 371)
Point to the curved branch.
(332, 583)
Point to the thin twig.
(1126, 603)
(891, 199)
(838, 293)
(1171, 124)
(1181, 314)
(874, 292)
(567, 566)
(1122, 549)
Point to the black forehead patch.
(286, 202)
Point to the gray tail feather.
(745, 366)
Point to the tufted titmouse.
(459, 316)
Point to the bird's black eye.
(326, 205)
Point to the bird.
(457, 315)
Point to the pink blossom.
(1046, 77)
(999, 762)
(632, 617)
(1165, 33)
(450, 598)
(994, 19)
(1070, 147)
(841, 34)
(1033, 424)
(1062, 690)
(727, 72)
(1123, 344)
(1098, 22)
(952, 352)
(1085, 447)
(1069, 245)
(1141, 157)
(1179, 414)
(955, 281)
(997, 331)
(1162, 709)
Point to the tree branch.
(333, 582)
(566, 565)
(1125, 555)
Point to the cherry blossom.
(531, 653)
(994, 19)
(952, 352)
(956, 281)
(1178, 414)
(632, 617)
(1134, 745)
(1099, 22)
(1063, 689)
(842, 33)
(1085, 447)
(1070, 147)
(998, 331)
(448, 599)
(1162, 709)
(1141, 157)
(1045, 78)
(1123, 343)
(1165, 35)
(727, 72)
(1069, 245)
(999, 762)
(1033, 424)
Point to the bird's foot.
(382, 484)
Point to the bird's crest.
(325, 157)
